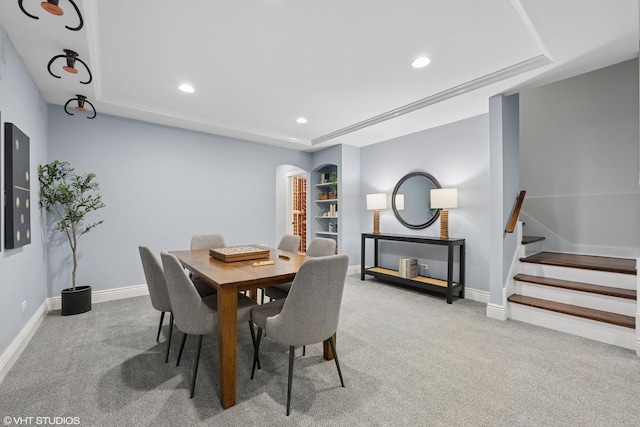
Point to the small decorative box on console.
(239, 253)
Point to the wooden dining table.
(229, 278)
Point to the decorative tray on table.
(239, 253)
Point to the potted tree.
(70, 197)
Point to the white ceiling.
(345, 65)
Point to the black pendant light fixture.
(52, 7)
(82, 100)
(71, 58)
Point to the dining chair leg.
(195, 367)
(255, 352)
(292, 355)
(253, 341)
(166, 357)
(335, 357)
(160, 326)
(184, 339)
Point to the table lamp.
(375, 202)
(443, 199)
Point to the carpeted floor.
(408, 359)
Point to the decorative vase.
(76, 302)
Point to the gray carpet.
(408, 359)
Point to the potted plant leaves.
(69, 198)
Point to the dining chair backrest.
(289, 243)
(321, 246)
(156, 283)
(192, 316)
(207, 241)
(311, 311)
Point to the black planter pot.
(76, 302)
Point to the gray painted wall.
(457, 155)
(503, 112)
(579, 162)
(349, 209)
(22, 271)
(161, 185)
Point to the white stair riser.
(598, 331)
(532, 248)
(603, 278)
(583, 299)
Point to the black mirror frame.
(393, 200)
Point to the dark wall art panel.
(17, 180)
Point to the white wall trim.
(497, 312)
(17, 346)
(353, 269)
(476, 295)
(105, 295)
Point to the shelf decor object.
(375, 202)
(443, 199)
(52, 7)
(71, 58)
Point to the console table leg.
(450, 274)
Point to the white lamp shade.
(376, 201)
(444, 198)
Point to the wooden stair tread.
(531, 239)
(588, 262)
(574, 310)
(579, 286)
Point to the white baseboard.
(106, 295)
(476, 295)
(17, 346)
(497, 312)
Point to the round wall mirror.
(411, 200)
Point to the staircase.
(590, 296)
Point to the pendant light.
(71, 58)
(52, 7)
(82, 100)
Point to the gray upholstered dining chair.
(308, 315)
(319, 246)
(158, 293)
(195, 315)
(289, 243)
(205, 241)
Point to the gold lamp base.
(444, 224)
(376, 221)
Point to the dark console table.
(447, 287)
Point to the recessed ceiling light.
(301, 120)
(421, 62)
(185, 87)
